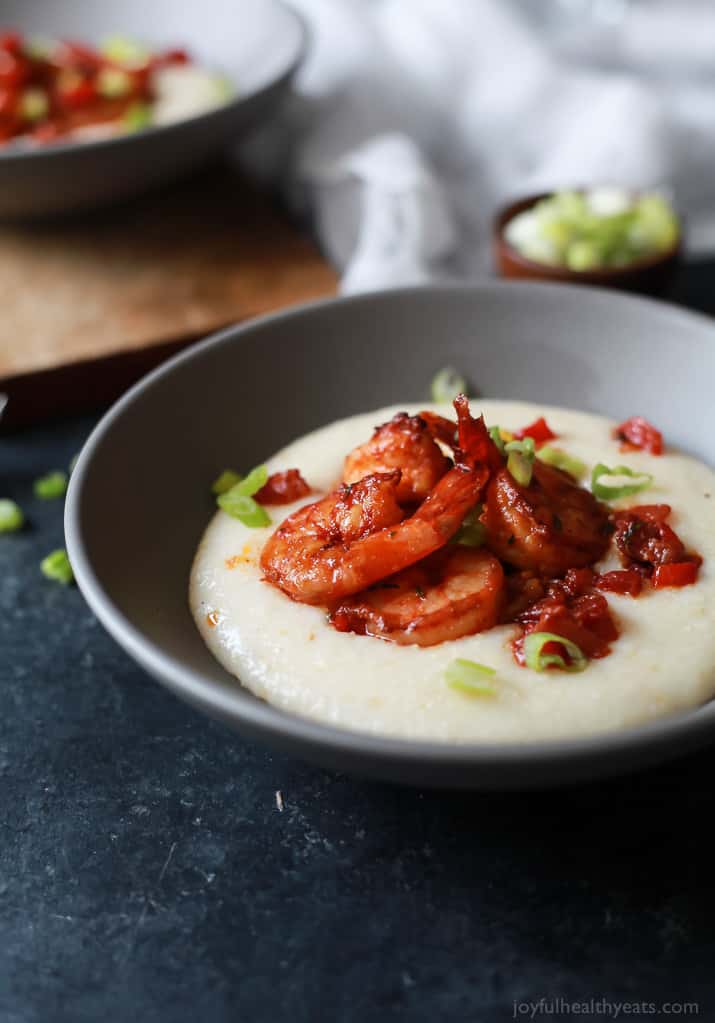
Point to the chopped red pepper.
(14, 69)
(585, 620)
(645, 540)
(8, 102)
(283, 488)
(638, 433)
(648, 545)
(575, 583)
(539, 431)
(79, 95)
(653, 513)
(627, 581)
(46, 132)
(176, 56)
(11, 41)
(68, 76)
(679, 573)
(79, 56)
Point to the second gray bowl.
(256, 44)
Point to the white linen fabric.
(412, 120)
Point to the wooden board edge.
(79, 387)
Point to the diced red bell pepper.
(12, 42)
(176, 56)
(539, 431)
(678, 573)
(80, 95)
(8, 102)
(577, 581)
(587, 622)
(283, 488)
(8, 129)
(74, 54)
(46, 132)
(653, 513)
(68, 76)
(637, 432)
(170, 58)
(14, 69)
(626, 581)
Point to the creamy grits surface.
(288, 654)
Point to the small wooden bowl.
(653, 275)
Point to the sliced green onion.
(495, 434)
(602, 227)
(611, 492)
(224, 87)
(471, 533)
(520, 468)
(137, 117)
(657, 226)
(11, 517)
(126, 51)
(447, 384)
(56, 566)
(51, 486)
(470, 677)
(253, 482)
(535, 642)
(238, 501)
(113, 83)
(225, 481)
(244, 508)
(520, 462)
(34, 104)
(562, 460)
(583, 255)
(525, 446)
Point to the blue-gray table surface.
(147, 872)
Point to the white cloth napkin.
(411, 120)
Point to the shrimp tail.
(475, 445)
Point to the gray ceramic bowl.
(137, 503)
(256, 44)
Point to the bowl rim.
(260, 717)
(599, 275)
(58, 150)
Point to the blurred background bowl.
(256, 44)
(653, 275)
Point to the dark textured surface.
(147, 873)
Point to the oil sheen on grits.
(287, 654)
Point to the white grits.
(286, 653)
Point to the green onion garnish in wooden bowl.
(605, 236)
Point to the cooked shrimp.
(468, 438)
(442, 429)
(358, 535)
(404, 443)
(410, 443)
(548, 527)
(456, 592)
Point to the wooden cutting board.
(90, 304)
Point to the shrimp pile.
(382, 552)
